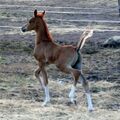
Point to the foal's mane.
(46, 27)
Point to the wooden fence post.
(119, 6)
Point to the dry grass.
(21, 96)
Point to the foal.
(67, 58)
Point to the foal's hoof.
(72, 103)
(90, 109)
(45, 103)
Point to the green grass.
(2, 60)
(15, 46)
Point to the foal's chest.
(42, 55)
(39, 53)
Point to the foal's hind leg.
(75, 73)
(86, 88)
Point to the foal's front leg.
(37, 75)
(45, 86)
(43, 81)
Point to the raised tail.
(85, 35)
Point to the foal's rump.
(78, 63)
(70, 56)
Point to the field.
(21, 96)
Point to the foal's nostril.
(23, 29)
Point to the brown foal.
(67, 58)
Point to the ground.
(21, 96)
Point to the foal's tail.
(85, 35)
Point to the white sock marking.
(89, 100)
(46, 90)
(42, 82)
(47, 95)
(72, 94)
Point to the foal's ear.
(43, 13)
(35, 13)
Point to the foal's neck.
(43, 34)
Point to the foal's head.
(35, 23)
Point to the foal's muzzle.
(24, 28)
